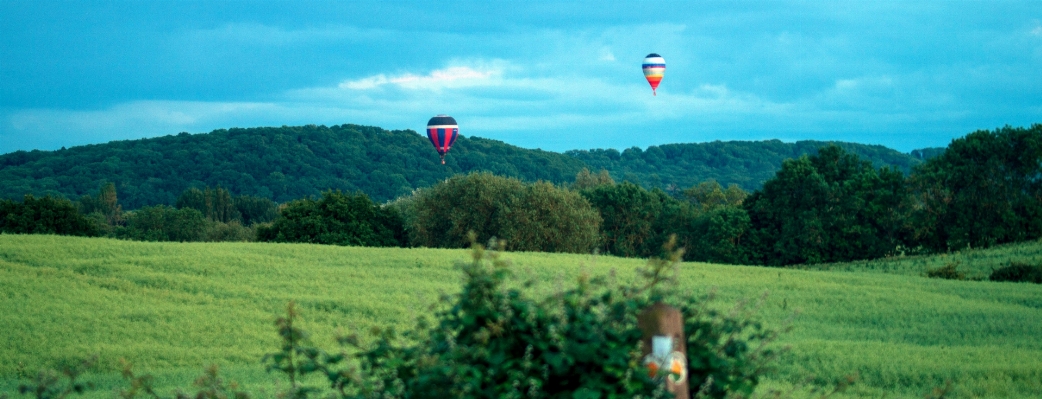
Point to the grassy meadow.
(174, 308)
(976, 264)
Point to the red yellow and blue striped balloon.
(442, 130)
(654, 67)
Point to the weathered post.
(665, 346)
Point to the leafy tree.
(105, 203)
(216, 204)
(709, 195)
(830, 207)
(336, 218)
(986, 189)
(585, 180)
(192, 198)
(255, 209)
(165, 223)
(529, 217)
(719, 236)
(629, 213)
(47, 215)
(549, 219)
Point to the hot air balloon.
(654, 66)
(442, 130)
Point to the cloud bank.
(903, 75)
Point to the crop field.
(173, 308)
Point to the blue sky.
(537, 74)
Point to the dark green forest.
(288, 163)
(746, 163)
(281, 164)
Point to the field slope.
(173, 308)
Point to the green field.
(173, 308)
(976, 264)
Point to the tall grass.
(173, 308)
(977, 264)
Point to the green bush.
(529, 217)
(47, 215)
(338, 219)
(947, 272)
(231, 231)
(1018, 272)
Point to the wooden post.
(665, 346)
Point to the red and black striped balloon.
(442, 131)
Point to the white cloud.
(864, 83)
(451, 77)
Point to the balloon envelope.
(442, 131)
(654, 67)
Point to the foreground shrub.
(338, 219)
(495, 340)
(1018, 272)
(529, 217)
(59, 384)
(47, 215)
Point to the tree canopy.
(336, 218)
(277, 163)
(986, 189)
(747, 164)
(830, 207)
(527, 216)
(291, 162)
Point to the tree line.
(833, 206)
(290, 162)
(200, 215)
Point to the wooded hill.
(745, 163)
(286, 163)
